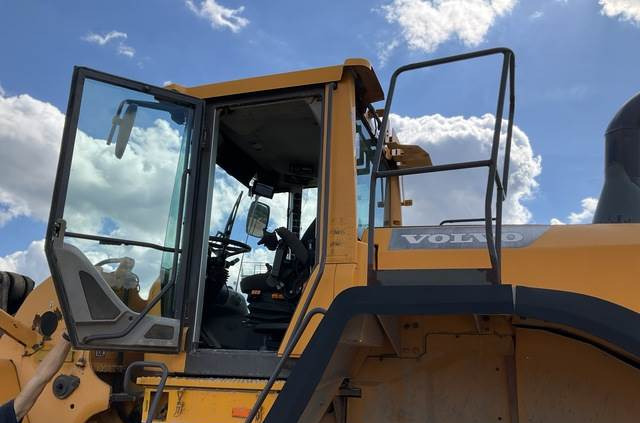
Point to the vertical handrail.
(163, 380)
(493, 243)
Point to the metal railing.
(493, 243)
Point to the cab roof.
(368, 85)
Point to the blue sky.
(577, 62)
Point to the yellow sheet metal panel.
(361, 67)
(342, 207)
(597, 260)
(563, 380)
(204, 400)
(91, 396)
(17, 330)
(459, 378)
(10, 387)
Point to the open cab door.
(117, 238)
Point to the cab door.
(117, 237)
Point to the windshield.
(225, 193)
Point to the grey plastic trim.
(85, 325)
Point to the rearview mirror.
(257, 219)
(124, 125)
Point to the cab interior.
(269, 147)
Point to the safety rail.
(501, 183)
(151, 413)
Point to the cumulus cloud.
(104, 39)
(625, 10)
(31, 262)
(460, 194)
(585, 215)
(218, 15)
(2, 92)
(425, 24)
(30, 133)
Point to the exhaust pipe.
(620, 198)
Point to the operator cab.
(162, 198)
(266, 179)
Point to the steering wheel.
(227, 246)
(221, 244)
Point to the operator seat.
(258, 282)
(270, 310)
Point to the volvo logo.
(459, 238)
(513, 236)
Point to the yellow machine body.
(396, 367)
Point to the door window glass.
(365, 148)
(126, 180)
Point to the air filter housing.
(620, 198)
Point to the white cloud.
(385, 49)
(536, 15)
(218, 15)
(2, 92)
(126, 50)
(460, 194)
(585, 215)
(123, 49)
(425, 24)
(624, 10)
(92, 37)
(30, 133)
(127, 197)
(31, 262)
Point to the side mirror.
(257, 219)
(124, 125)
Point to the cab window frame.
(194, 293)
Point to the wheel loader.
(357, 317)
